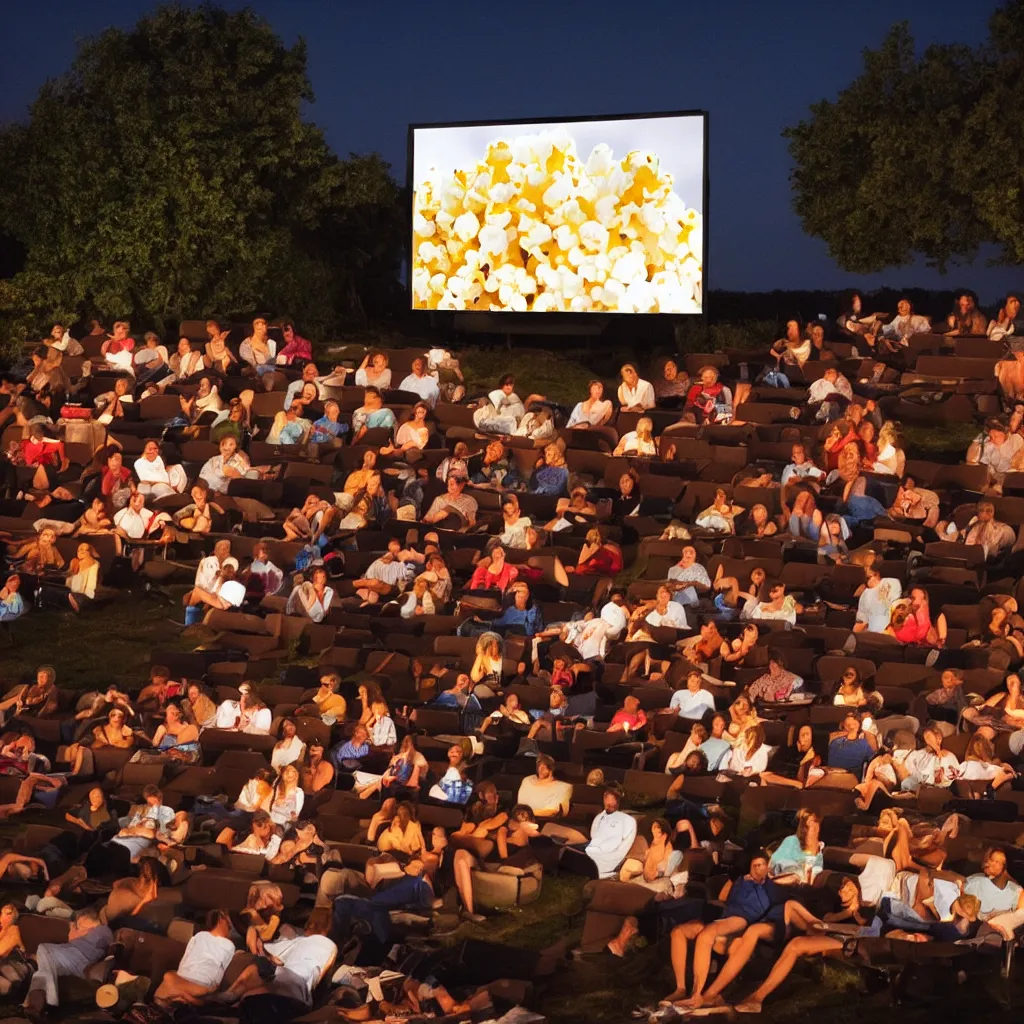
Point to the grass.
(950, 439)
(111, 644)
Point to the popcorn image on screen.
(532, 228)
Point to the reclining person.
(201, 968)
(87, 944)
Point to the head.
(719, 723)
(545, 767)
(152, 795)
(629, 374)
(758, 869)
(262, 825)
(994, 864)
(610, 800)
(808, 828)
(228, 446)
(708, 376)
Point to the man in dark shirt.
(753, 908)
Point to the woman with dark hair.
(966, 320)
(856, 326)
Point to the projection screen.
(582, 215)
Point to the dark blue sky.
(756, 66)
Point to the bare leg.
(703, 948)
(462, 867)
(740, 953)
(681, 936)
(803, 946)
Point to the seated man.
(545, 795)
(611, 835)
(997, 449)
(87, 944)
(138, 833)
(918, 504)
(456, 510)
(370, 415)
(694, 577)
(754, 906)
(1001, 898)
(248, 714)
(202, 965)
(419, 382)
(875, 601)
(995, 538)
(780, 606)
(262, 840)
(226, 594)
(384, 574)
(828, 396)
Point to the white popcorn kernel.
(629, 268)
(600, 162)
(594, 236)
(558, 191)
(422, 227)
(438, 283)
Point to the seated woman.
(856, 506)
(509, 716)
(777, 684)
(917, 504)
(790, 354)
(316, 772)
(708, 400)
(371, 415)
(805, 518)
(110, 405)
(851, 692)
(671, 386)
(290, 426)
(407, 770)
(799, 859)
(112, 733)
(1007, 322)
(501, 410)
(857, 326)
(287, 799)
(720, 515)
(306, 524)
(412, 436)
(32, 699)
(125, 906)
(313, 598)
(654, 863)
(402, 836)
(594, 411)
(890, 458)
(759, 523)
(980, 764)
(42, 459)
(832, 546)
(329, 429)
(175, 740)
(80, 584)
(289, 749)
(750, 753)
(627, 501)
(39, 557)
(495, 469)
(796, 765)
(916, 628)
(453, 787)
(1003, 711)
(635, 394)
(231, 464)
(639, 442)
(550, 476)
(218, 357)
(373, 371)
(598, 557)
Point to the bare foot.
(748, 1007)
(673, 997)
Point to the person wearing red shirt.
(295, 346)
(629, 718)
(493, 573)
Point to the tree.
(170, 174)
(919, 156)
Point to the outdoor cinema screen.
(588, 215)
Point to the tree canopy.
(170, 174)
(920, 156)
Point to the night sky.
(755, 66)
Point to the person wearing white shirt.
(155, 479)
(931, 765)
(210, 566)
(801, 468)
(136, 522)
(289, 749)
(591, 639)
(615, 614)
(419, 382)
(310, 375)
(905, 323)
(1001, 898)
(312, 598)
(262, 840)
(225, 593)
(689, 571)
(876, 601)
(612, 833)
(201, 968)
(693, 701)
(666, 612)
(383, 732)
(750, 753)
(635, 394)
(304, 962)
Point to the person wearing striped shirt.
(385, 575)
(454, 506)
